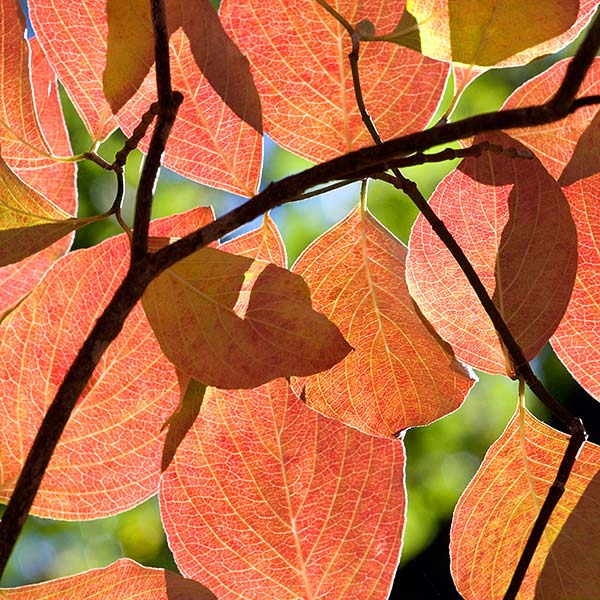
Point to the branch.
(145, 267)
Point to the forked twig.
(144, 267)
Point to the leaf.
(28, 222)
(556, 144)
(585, 160)
(130, 54)
(130, 49)
(267, 495)
(31, 129)
(576, 341)
(522, 22)
(486, 33)
(108, 458)
(264, 243)
(250, 321)
(180, 422)
(209, 143)
(299, 58)
(513, 222)
(125, 579)
(27, 143)
(72, 35)
(493, 518)
(356, 275)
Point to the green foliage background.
(442, 458)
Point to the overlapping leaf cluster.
(280, 469)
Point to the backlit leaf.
(556, 144)
(108, 459)
(299, 58)
(130, 53)
(179, 423)
(28, 222)
(232, 322)
(209, 143)
(577, 339)
(524, 21)
(493, 518)
(513, 222)
(73, 36)
(264, 243)
(31, 130)
(123, 579)
(400, 374)
(485, 33)
(268, 499)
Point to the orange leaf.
(31, 129)
(73, 37)
(130, 54)
(299, 58)
(513, 222)
(559, 145)
(264, 243)
(250, 321)
(180, 422)
(577, 339)
(493, 518)
(513, 26)
(356, 274)
(108, 457)
(267, 495)
(124, 579)
(209, 143)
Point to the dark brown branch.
(143, 270)
(168, 104)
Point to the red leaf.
(513, 222)
(209, 143)
(577, 339)
(250, 321)
(555, 144)
(125, 579)
(130, 54)
(266, 495)
(434, 18)
(356, 274)
(31, 130)
(493, 518)
(299, 58)
(108, 457)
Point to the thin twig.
(142, 271)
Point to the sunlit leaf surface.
(356, 275)
(109, 456)
(493, 518)
(513, 222)
(268, 499)
(299, 58)
(124, 579)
